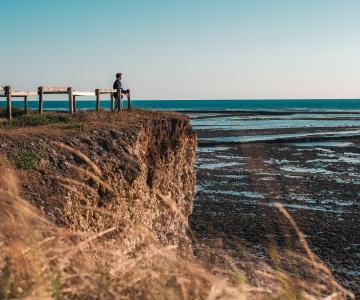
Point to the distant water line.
(332, 105)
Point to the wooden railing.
(8, 93)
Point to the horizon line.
(199, 99)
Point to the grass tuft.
(24, 159)
(7, 284)
(20, 119)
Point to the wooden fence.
(8, 93)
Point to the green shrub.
(16, 112)
(23, 159)
(35, 119)
(76, 126)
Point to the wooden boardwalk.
(8, 93)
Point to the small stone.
(101, 152)
(107, 145)
(115, 134)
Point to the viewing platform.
(8, 93)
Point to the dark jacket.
(117, 85)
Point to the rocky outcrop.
(138, 155)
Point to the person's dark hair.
(118, 75)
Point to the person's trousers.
(117, 101)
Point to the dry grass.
(40, 260)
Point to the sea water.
(297, 105)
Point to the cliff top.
(82, 121)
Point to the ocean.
(213, 105)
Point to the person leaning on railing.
(118, 86)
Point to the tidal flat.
(240, 177)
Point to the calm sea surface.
(215, 105)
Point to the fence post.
(41, 99)
(97, 93)
(8, 102)
(112, 102)
(129, 101)
(119, 99)
(70, 94)
(26, 105)
(74, 103)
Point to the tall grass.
(40, 260)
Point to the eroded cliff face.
(138, 154)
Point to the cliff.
(95, 170)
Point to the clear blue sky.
(185, 49)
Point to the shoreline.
(307, 139)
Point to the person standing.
(118, 86)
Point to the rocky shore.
(317, 180)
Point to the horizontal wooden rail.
(78, 93)
(54, 90)
(23, 93)
(107, 91)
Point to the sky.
(185, 49)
